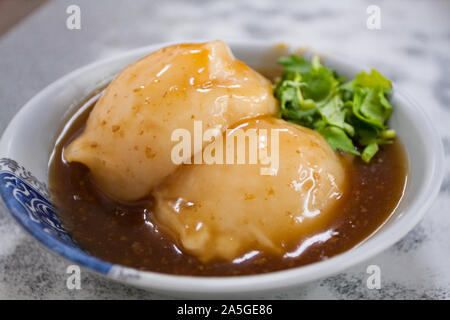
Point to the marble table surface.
(412, 48)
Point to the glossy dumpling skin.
(127, 140)
(225, 211)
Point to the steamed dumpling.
(127, 140)
(222, 211)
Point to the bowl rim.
(247, 283)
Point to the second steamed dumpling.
(127, 140)
(222, 211)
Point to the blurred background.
(410, 43)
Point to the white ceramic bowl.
(28, 141)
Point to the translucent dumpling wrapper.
(127, 140)
(224, 211)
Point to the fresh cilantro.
(351, 116)
(295, 63)
(372, 80)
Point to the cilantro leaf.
(294, 63)
(370, 106)
(319, 84)
(333, 112)
(348, 115)
(369, 151)
(338, 139)
(372, 80)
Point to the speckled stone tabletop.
(412, 48)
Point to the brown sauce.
(126, 234)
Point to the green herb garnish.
(347, 114)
